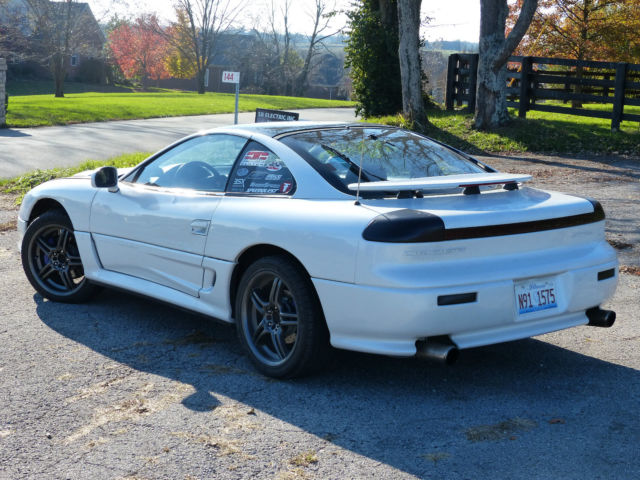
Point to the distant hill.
(459, 46)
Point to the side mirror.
(105, 177)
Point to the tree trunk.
(59, 72)
(491, 100)
(200, 79)
(301, 80)
(409, 56)
(578, 88)
(388, 12)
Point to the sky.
(450, 19)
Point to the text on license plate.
(536, 294)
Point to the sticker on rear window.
(255, 158)
(274, 166)
(286, 187)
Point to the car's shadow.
(520, 404)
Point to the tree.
(372, 56)
(139, 51)
(180, 61)
(284, 62)
(197, 37)
(495, 48)
(410, 65)
(51, 32)
(604, 30)
(581, 29)
(321, 18)
(269, 60)
(621, 37)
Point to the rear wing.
(445, 182)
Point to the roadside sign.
(230, 77)
(233, 77)
(265, 115)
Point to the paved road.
(25, 149)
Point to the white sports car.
(306, 235)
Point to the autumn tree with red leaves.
(139, 50)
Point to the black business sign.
(265, 115)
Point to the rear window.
(261, 171)
(385, 153)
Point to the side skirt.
(209, 302)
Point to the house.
(37, 30)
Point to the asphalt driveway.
(127, 388)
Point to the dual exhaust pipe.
(601, 318)
(442, 349)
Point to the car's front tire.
(279, 319)
(51, 259)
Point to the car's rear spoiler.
(442, 182)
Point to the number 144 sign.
(230, 77)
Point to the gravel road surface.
(25, 149)
(127, 388)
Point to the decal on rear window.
(261, 171)
(255, 158)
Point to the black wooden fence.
(533, 80)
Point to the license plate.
(536, 294)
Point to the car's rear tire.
(279, 319)
(51, 259)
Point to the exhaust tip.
(442, 351)
(452, 356)
(601, 318)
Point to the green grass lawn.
(22, 184)
(39, 110)
(46, 87)
(540, 132)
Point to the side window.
(202, 163)
(261, 171)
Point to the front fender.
(74, 195)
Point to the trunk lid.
(494, 208)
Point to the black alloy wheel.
(279, 319)
(51, 259)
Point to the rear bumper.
(390, 320)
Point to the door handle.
(200, 227)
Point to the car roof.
(275, 129)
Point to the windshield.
(386, 153)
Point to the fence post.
(3, 79)
(607, 77)
(525, 72)
(618, 96)
(473, 81)
(451, 80)
(458, 88)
